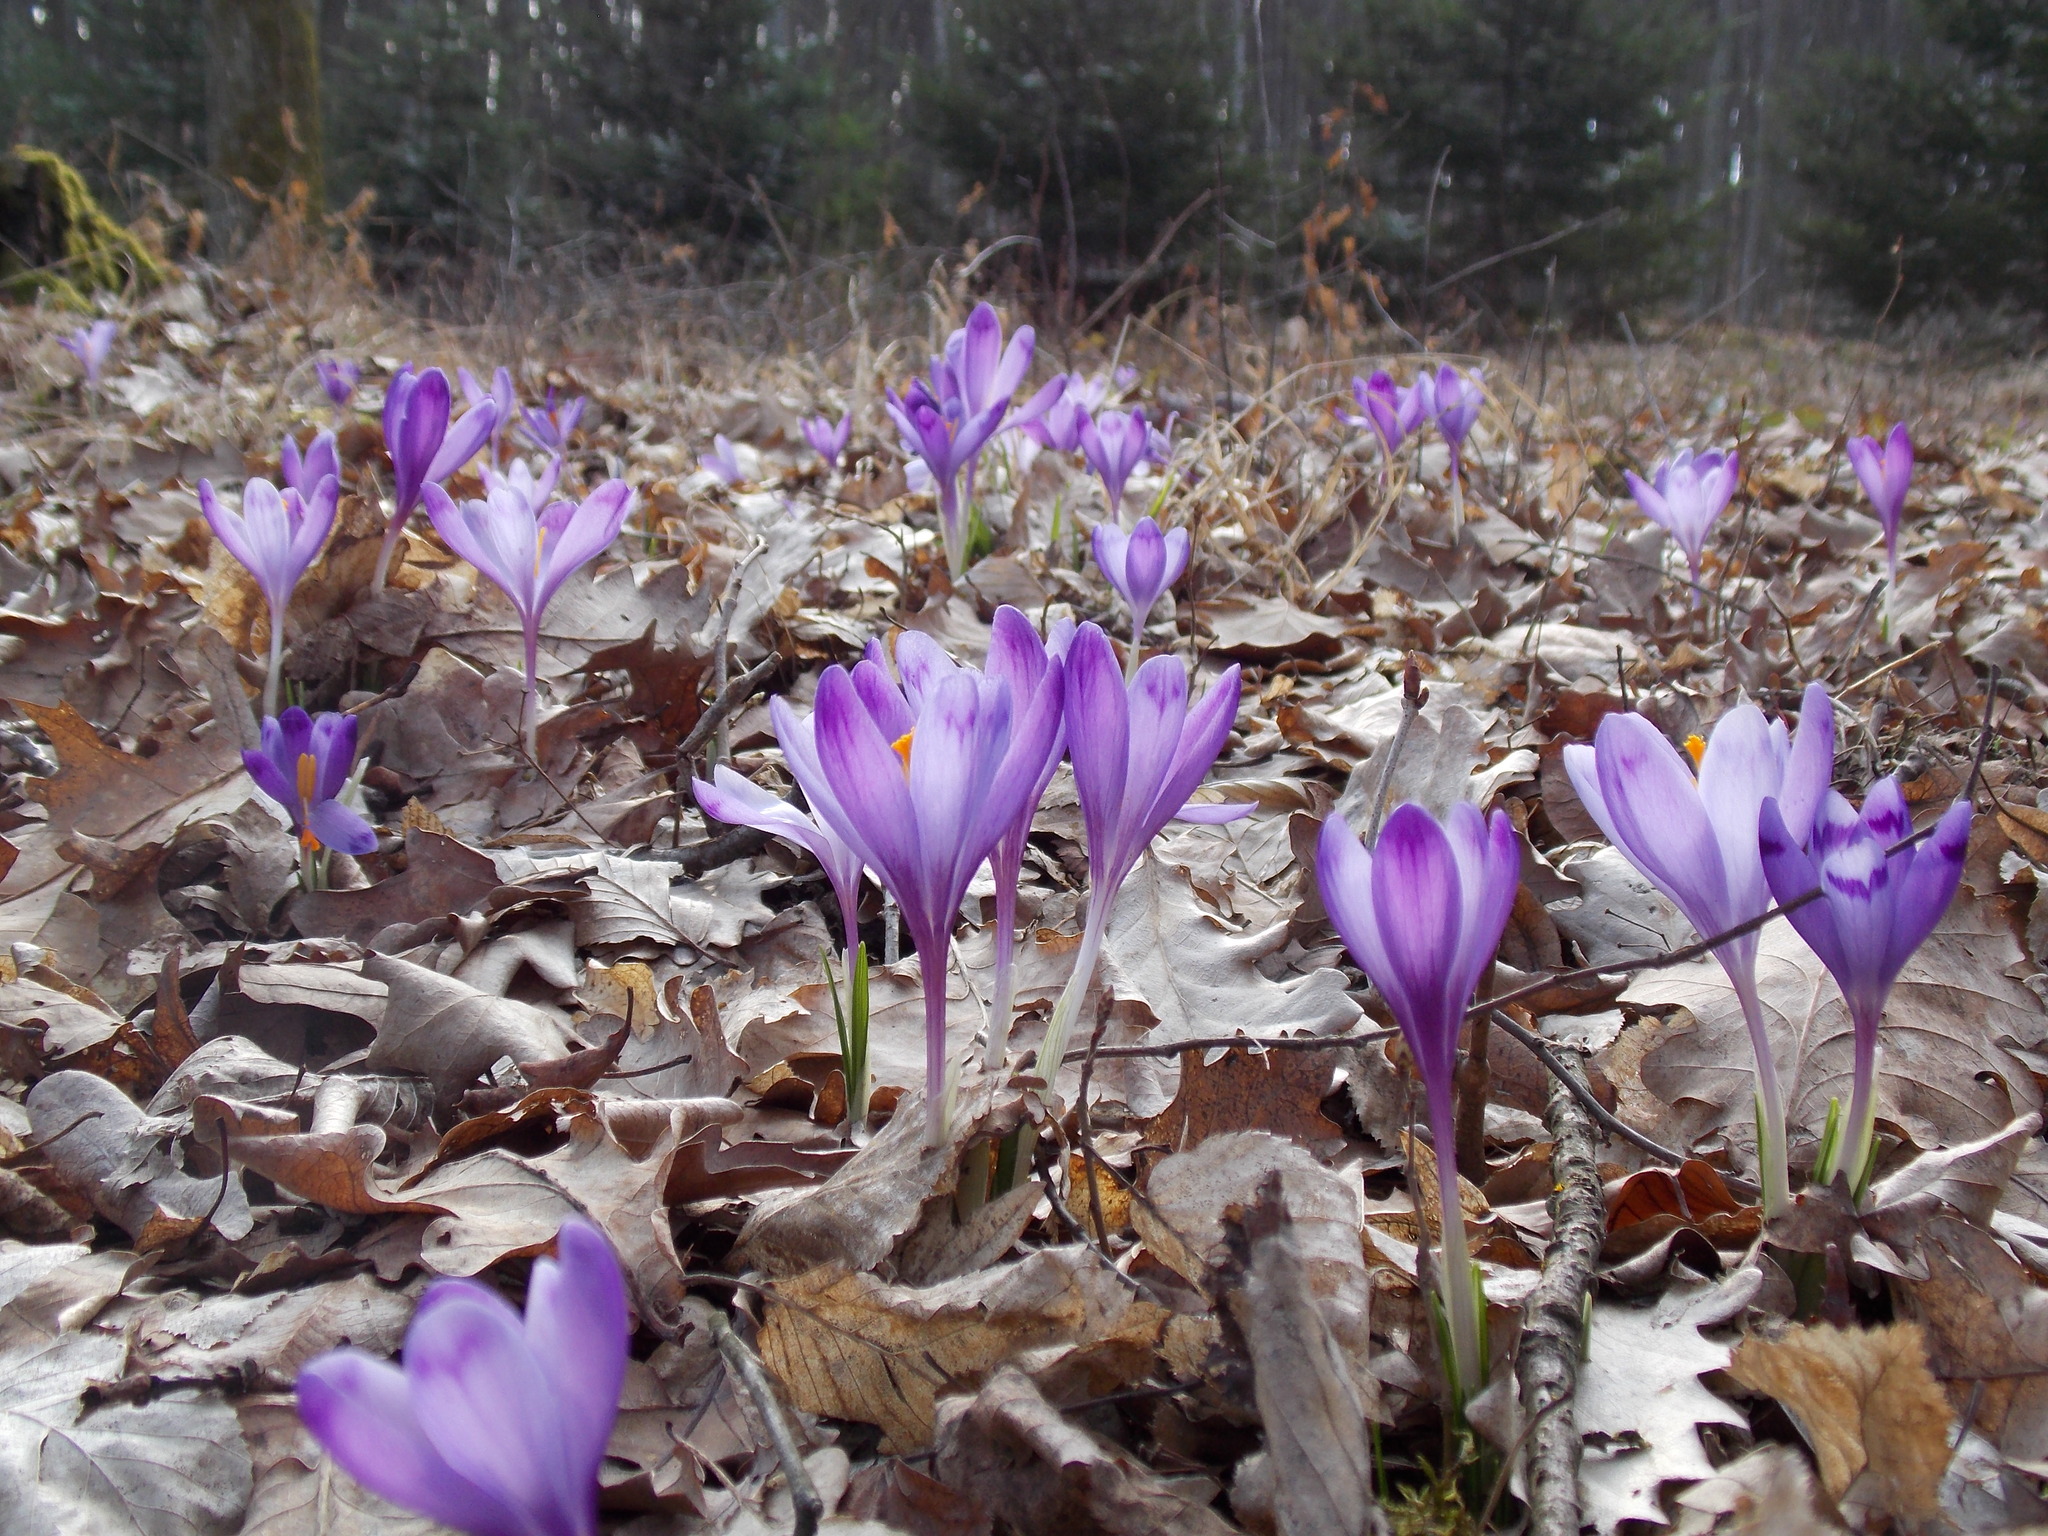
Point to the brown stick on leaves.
(1554, 1316)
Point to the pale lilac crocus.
(1452, 401)
(527, 551)
(338, 379)
(740, 802)
(1059, 428)
(1391, 411)
(90, 344)
(1695, 839)
(1138, 752)
(276, 536)
(1422, 914)
(425, 447)
(828, 440)
(921, 778)
(503, 396)
(722, 463)
(1886, 470)
(1116, 444)
(947, 440)
(304, 472)
(1873, 911)
(303, 764)
(1689, 493)
(496, 1424)
(549, 426)
(1141, 565)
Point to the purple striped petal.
(578, 1328)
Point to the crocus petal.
(587, 533)
(486, 1404)
(1885, 812)
(336, 826)
(1925, 890)
(740, 802)
(1144, 567)
(463, 440)
(360, 1409)
(1098, 738)
(1656, 819)
(951, 765)
(1415, 874)
(314, 521)
(273, 781)
(1791, 875)
(578, 1328)
(1111, 545)
(1810, 765)
(876, 817)
(980, 355)
(332, 741)
(1215, 813)
(1741, 765)
(227, 525)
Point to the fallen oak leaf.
(451, 1033)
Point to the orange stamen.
(1697, 746)
(902, 746)
(540, 539)
(309, 782)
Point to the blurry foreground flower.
(723, 461)
(528, 551)
(1695, 839)
(1872, 913)
(90, 344)
(425, 448)
(304, 765)
(1422, 914)
(828, 441)
(1116, 444)
(275, 536)
(921, 778)
(1138, 752)
(338, 378)
(1141, 565)
(496, 1424)
(1688, 494)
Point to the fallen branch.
(1554, 1316)
(746, 1365)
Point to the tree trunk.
(263, 125)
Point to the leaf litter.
(244, 1122)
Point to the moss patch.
(56, 239)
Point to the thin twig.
(1413, 697)
(746, 1365)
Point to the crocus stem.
(1136, 651)
(1005, 988)
(529, 707)
(952, 530)
(1457, 493)
(1770, 1101)
(938, 1091)
(392, 534)
(270, 681)
(1860, 1130)
(1467, 1366)
(1061, 1025)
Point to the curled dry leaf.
(1866, 1403)
(450, 1032)
(851, 1346)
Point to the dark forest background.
(1797, 162)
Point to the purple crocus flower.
(1116, 444)
(1138, 753)
(1695, 839)
(722, 463)
(921, 778)
(502, 395)
(520, 481)
(338, 377)
(978, 371)
(304, 472)
(275, 537)
(496, 1424)
(1886, 470)
(1689, 493)
(828, 441)
(1452, 400)
(1422, 914)
(304, 764)
(740, 802)
(425, 449)
(90, 344)
(528, 551)
(1872, 913)
(1391, 411)
(549, 426)
(1060, 427)
(947, 440)
(1141, 565)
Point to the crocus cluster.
(1441, 397)
(425, 447)
(1694, 837)
(277, 535)
(1687, 494)
(90, 344)
(495, 1424)
(1422, 913)
(1874, 909)
(528, 546)
(948, 422)
(304, 764)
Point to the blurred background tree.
(1467, 163)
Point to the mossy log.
(56, 239)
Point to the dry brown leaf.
(1862, 1398)
(441, 878)
(1278, 1091)
(448, 1031)
(851, 1346)
(1769, 1491)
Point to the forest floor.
(241, 1122)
